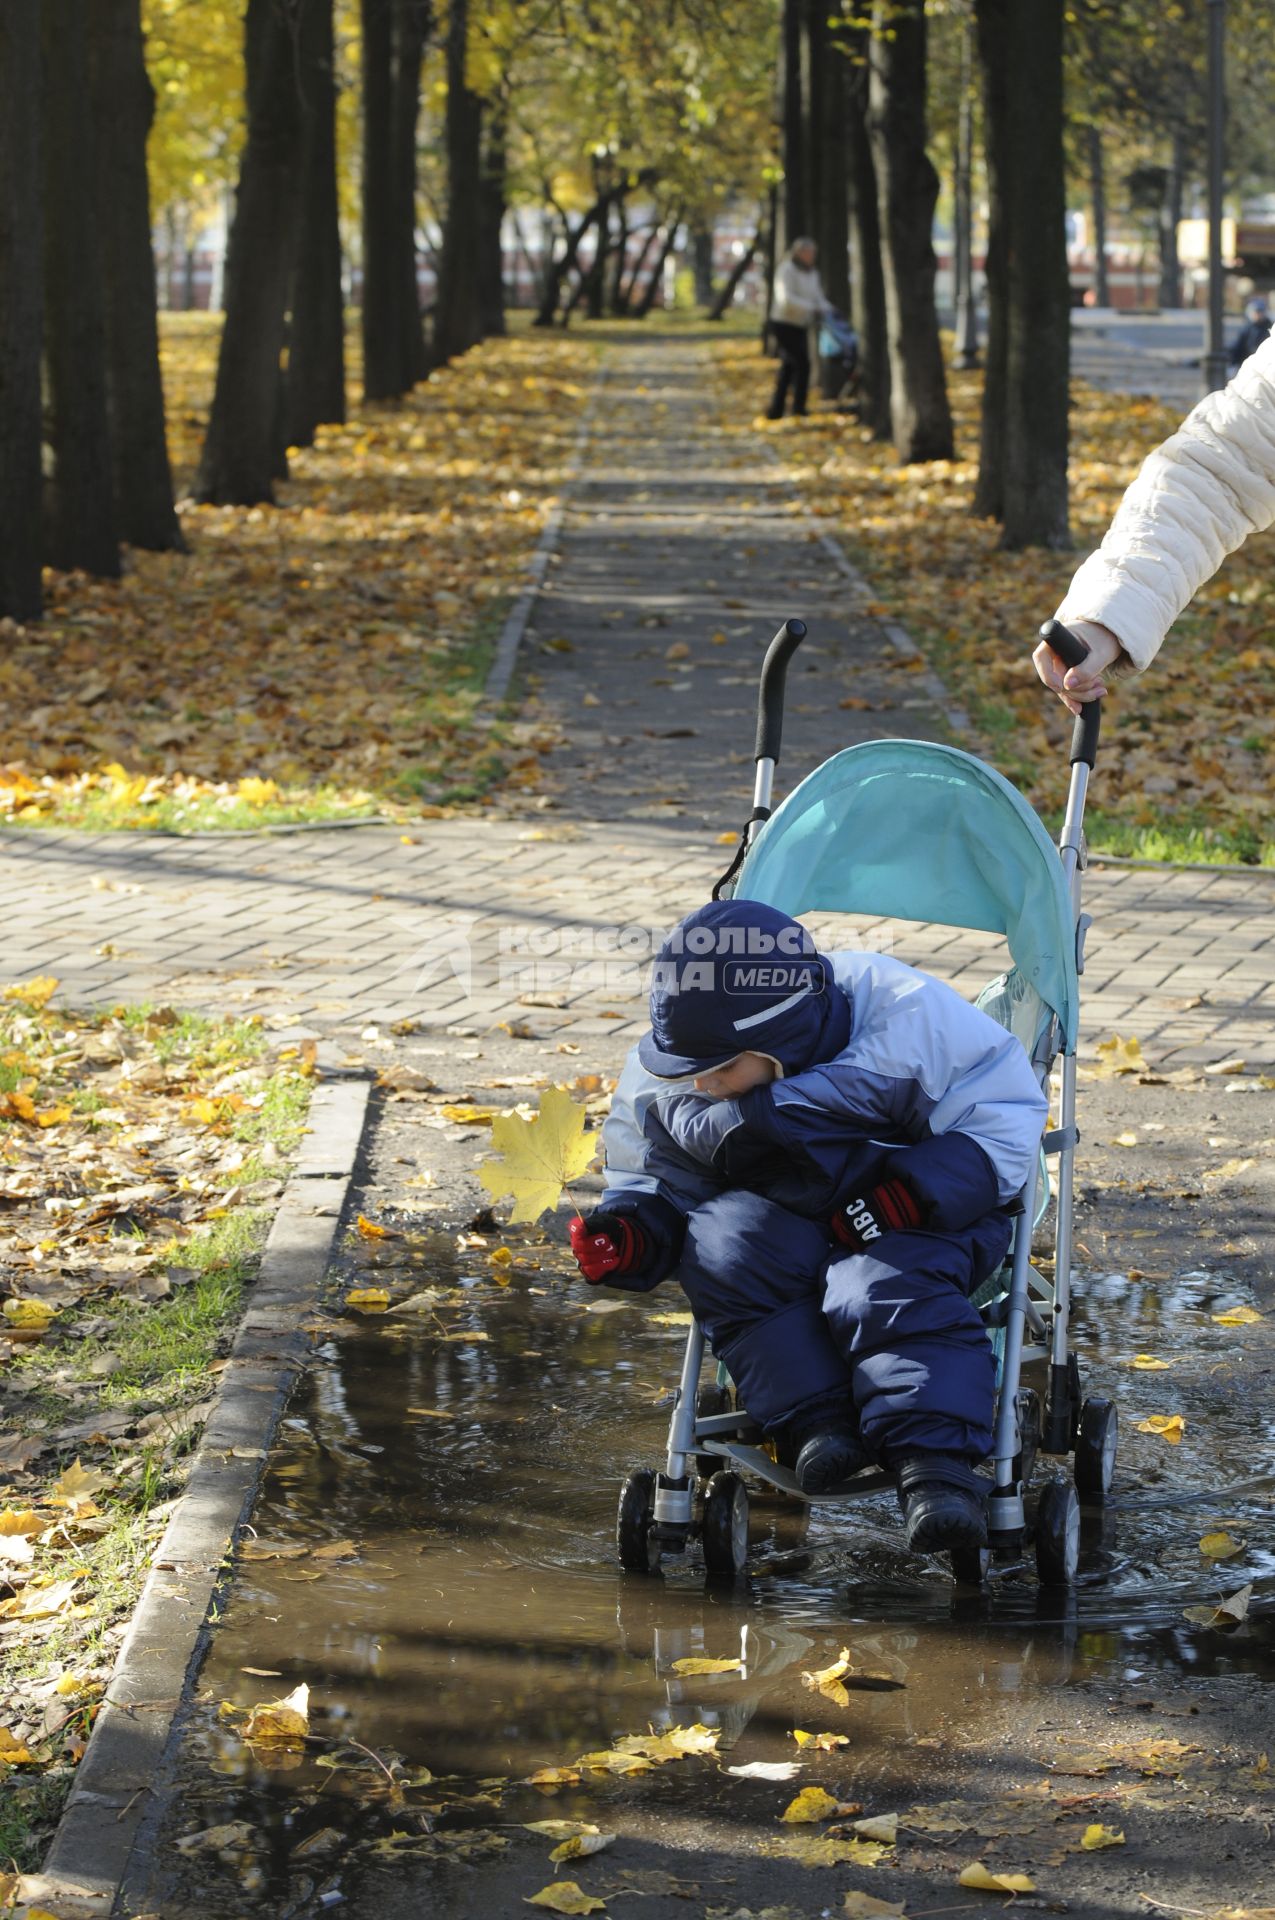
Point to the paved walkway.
(682, 550)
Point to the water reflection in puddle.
(472, 1452)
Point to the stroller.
(838, 359)
(984, 861)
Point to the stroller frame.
(710, 1440)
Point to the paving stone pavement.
(682, 550)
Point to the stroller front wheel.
(725, 1526)
(1058, 1534)
(635, 1541)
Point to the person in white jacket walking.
(1195, 499)
(798, 301)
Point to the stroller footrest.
(783, 1477)
(1058, 1139)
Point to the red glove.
(890, 1208)
(606, 1243)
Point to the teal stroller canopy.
(906, 830)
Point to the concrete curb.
(501, 671)
(116, 1785)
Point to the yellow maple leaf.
(811, 1804)
(14, 1752)
(696, 1663)
(821, 1742)
(1120, 1056)
(258, 793)
(564, 1896)
(33, 993)
(287, 1719)
(78, 1485)
(1096, 1837)
(541, 1155)
(1237, 1317)
(24, 1521)
(978, 1875)
(1169, 1426)
(368, 1299)
(1220, 1546)
(828, 1680)
(29, 1313)
(373, 1230)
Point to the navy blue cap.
(735, 977)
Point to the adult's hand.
(1077, 685)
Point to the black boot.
(943, 1502)
(828, 1452)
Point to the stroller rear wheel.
(1096, 1443)
(970, 1565)
(1058, 1534)
(635, 1541)
(725, 1526)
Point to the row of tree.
(622, 125)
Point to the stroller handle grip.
(1073, 652)
(770, 696)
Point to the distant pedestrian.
(1256, 328)
(1195, 499)
(799, 300)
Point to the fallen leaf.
(14, 1752)
(564, 1896)
(1125, 1140)
(1227, 1613)
(29, 1313)
(1237, 1317)
(368, 1299)
(978, 1876)
(560, 1829)
(865, 1906)
(39, 1602)
(696, 1664)
(1147, 1363)
(33, 993)
(581, 1845)
(811, 1804)
(612, 1760)
(1220, 1546)
(372, 1230)
(767, 1770)
(1096, 1837)
(878, 1826)
(285, 1720)
(1117, 1056)
(541, 1155)
(1170, 1426)
(816, 1850)
(821, 1742)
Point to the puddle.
(472, 1449)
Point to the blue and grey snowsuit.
(886, 1074)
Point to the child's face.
(736, 1077)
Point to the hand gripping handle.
(1073, 652)
(770, 698)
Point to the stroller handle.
(1073, 652)
(770, 696)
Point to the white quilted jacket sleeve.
(1196, 499)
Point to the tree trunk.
(1170, 220)
(556, 271)
(1098, 199)
(594, 285)
(726, 293)
(315, 390)
(123, 108)
(412, 20)
(619, 259)
(636, 271)
(1025, 429)
(963, 209)
(907, 188)
(82, 527)
(1038, 360)
(828, 69)
(652, 287)
(702, 263)
(240, 456)
(989, 492)
(20, 310)
(867, 282)
(457, 316)
(492, 258)
(793, 206)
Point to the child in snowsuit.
(822, 1148)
